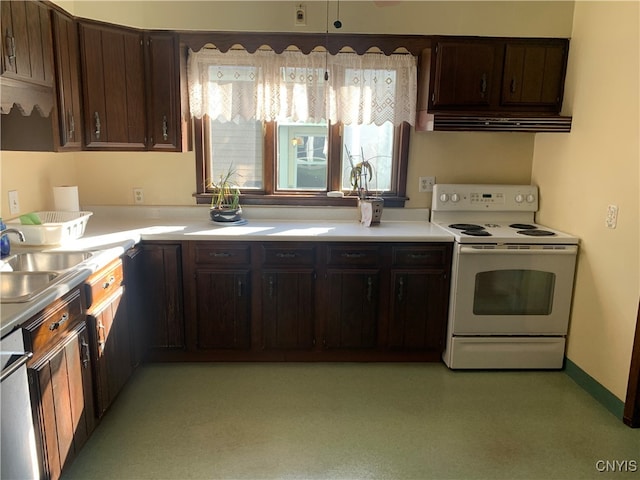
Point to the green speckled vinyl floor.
(354, 421)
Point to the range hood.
(487, 122)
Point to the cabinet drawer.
(48, 326)
(104, 283)
(288, 255)
(356, 254)
(222, 253)
(409, 256)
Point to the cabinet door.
(26, 41)
(223, 309)
(352, 309)
(112, 349)
(418, 310)
(67, 71)
(62, 398)
(113, 87)
(288, 308)
(463, 74)
(162, 296)
(534, 74)
(163, 115)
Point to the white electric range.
(512, 279)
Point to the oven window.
(513, 292)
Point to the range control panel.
(472, 197)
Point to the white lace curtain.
(264, 85)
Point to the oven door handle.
(530, 250)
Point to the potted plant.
(225, 199)
(361, 176)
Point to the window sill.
(302, 200)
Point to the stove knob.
(531, 198)
(455, 198)
(519, 198)
(444, 197)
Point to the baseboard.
(595, 389)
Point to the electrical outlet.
(138, 195)
(301, 16)
(426, 184)
(14, 205)
(612, 216)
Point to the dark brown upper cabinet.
(534, 73)
(489, 74)
(26, 41)
(164, 120)
(465, 74)
(68, 114)
(492, 84)
(114, 99)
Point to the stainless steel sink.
(44, 261)
(18, 287)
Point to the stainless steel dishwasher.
(18, 457)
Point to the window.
(294, 124)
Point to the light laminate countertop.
(111, 231)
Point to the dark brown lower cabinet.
(288, 309)
(112, 349)
(223, 301)
(62, 399)
(161, 290)
(352, 309)
(300, 301)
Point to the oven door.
(512, 289)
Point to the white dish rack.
(56, 228)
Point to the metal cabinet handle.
(56, 325)
(271, 287)
(96, 116)
(85, 352)
(220, 254)
(72, 126)
(109, 282)
(483, 85)
(239, 288)
(101, 341)
(165, 128)
(287, 255)
(369, 289)
(513, 85)
(418, 256)
(353, 255)
(400, 289)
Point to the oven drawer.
(505, 353)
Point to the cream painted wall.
(168, 179)
(597, 165)
(33, 175)
(475, 17)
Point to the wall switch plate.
(612, 216)
(138, 195)
(14, 205)
(300, 16)
(426, 184)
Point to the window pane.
(513, 292)
(238, 144)
(302, 156)
(377, 144)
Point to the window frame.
(361, 43)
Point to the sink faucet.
(13, 230)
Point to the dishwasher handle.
(15, 366)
